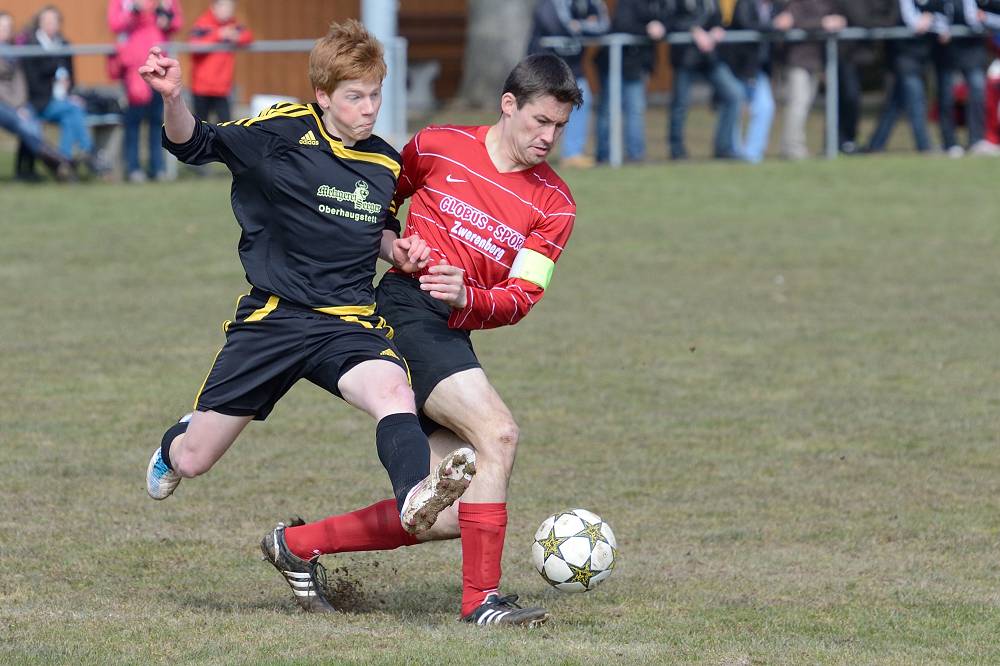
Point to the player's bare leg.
(192, 447)
(468, 405)
(378, 388)
(381, 389)
(208, 437)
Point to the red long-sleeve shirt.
(212, 73)
(474, 217)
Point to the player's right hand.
(410, 254)
(445, 283)
(163, 74)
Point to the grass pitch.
(778, 384)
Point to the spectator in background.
(853, 55)
(804, 62)
(16, 115)
(212, 73)
(965, 55)
(140, 25)
(993, 93)
(51, 86)
(571, 18)
(646, 18)
(749, 62)
(908, 59)
(703, 20)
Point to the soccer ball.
(574, 550)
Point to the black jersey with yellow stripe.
(311, 210)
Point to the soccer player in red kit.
(496, 218)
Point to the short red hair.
(348, 52)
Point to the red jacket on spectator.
(140, 25)
(212, 73)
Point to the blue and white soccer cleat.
(160, 479)
(438, 491)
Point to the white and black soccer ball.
(574, 551)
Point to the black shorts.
(431, 349)
(271, 344)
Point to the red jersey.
(212, 73)
(474, 217)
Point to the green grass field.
(778, 384)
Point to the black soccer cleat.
(504, 610)
(307, 578)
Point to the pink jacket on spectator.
(137, 32)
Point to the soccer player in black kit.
(312, 189)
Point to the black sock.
(168, 438)
(404, 452)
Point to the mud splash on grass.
(346, 586)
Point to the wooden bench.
(436, 36)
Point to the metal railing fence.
(616, 42)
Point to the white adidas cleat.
(160, 479)
(438, 491)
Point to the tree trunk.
(496, 40)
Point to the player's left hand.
(445, 283)
(410, 254)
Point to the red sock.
(483, 529)
(375, 527)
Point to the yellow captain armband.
(534, 267)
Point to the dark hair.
(543, 74)
(36, 22)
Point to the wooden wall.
(283, 74)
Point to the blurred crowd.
(43, 89)
(743, 76)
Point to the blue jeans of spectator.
(975, 107)
(760, 106)
(73, 130)
(907, 94)
(574, 139)
(134, 116)
(634, 117)
(23, 125)
(729, 95)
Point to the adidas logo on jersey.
(308, 139)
